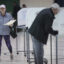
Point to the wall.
(36, 3)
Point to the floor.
(21, 59)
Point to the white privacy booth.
(26, 17)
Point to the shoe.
(11, 56)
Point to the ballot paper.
(10, 22)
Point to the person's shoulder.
(47, 10)
(44, 11)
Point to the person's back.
(38, 26)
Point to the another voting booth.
(26, 17)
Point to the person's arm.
(48, 25)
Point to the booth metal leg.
(28, 47)
(51, 48)
(24, 45)
(56, 49)
(17, 44)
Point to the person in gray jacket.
(5, 30)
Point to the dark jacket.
(16, 8)
(42, 25)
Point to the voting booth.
(26, 17)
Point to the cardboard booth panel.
(27, 15)
(21, 15)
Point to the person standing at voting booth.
(16, 8)
(5, 30)
(41, 28)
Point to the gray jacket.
(5, 30)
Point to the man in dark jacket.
(41, 28)
(16, 8)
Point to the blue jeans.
(7, 40)
(38, 51)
